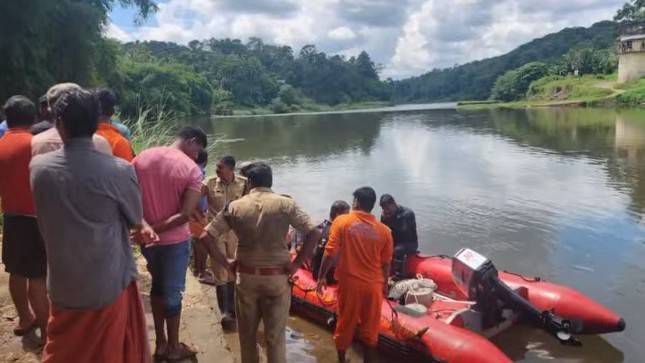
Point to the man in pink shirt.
(171, 187)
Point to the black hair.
(338, 207)
(244, 169)
(107, 101)
(259, 175)
(189, 132)
(42, 100)
(20, 111)
(366, 198)
(229, 161)
(386, 199)
(202, 157)
(78, 111)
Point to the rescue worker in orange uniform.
(361, 247)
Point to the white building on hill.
(631, 53)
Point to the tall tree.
(365, 66)
(47, 41)
(632, 11)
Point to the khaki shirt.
(219, 193)
(261, 220)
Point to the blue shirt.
(123, 129)
(203, 201)
(3, 128)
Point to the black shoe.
(229, 323)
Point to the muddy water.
(558, 193)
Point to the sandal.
(159, 357)
(24, 331)
(186, 352)
(207, 279)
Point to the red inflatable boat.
(458, 328)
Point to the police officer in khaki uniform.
(261, 220)
(221, 190)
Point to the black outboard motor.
(477, 278)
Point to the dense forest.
(44, 42)
(224, 73)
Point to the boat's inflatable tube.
(546, 296)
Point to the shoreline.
(200, 327)
(307, 108)
(601, 102)
(388, 108)
(584, 91)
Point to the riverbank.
(308, 107)
(200, 326)
(585, 91)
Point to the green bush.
(634, 94)
(289, 95)
(586, 60)
(277, 106)
(512, 85)
(174, 85)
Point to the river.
(558, 193)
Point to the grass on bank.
(309, 106)
(634, 93)
(151, 127)
(585, 88)
(588, 90)
(158, 127)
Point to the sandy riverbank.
(200, 323)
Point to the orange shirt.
(15, 155)
(362, 244)
(120, 145)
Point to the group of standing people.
(69, 206)
(75, 196)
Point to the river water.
(557, 193)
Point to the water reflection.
(630, 149)
(292, 137)
(558, 193)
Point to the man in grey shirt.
(86, 204)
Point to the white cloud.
(114, 32)
(442, 33)
(341, 33)
(408, 37)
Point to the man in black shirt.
(339, 207)
(403, 224)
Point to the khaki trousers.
(266, 299)
(227, 245)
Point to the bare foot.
(25, 326)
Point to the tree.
(289, 95)
(586, 60)
(365, 66)
(175, 86)
(632, 11)
(513, 84)
(44, 42)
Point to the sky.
(406, 37)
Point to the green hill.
(473, 81)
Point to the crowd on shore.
(75, 198)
